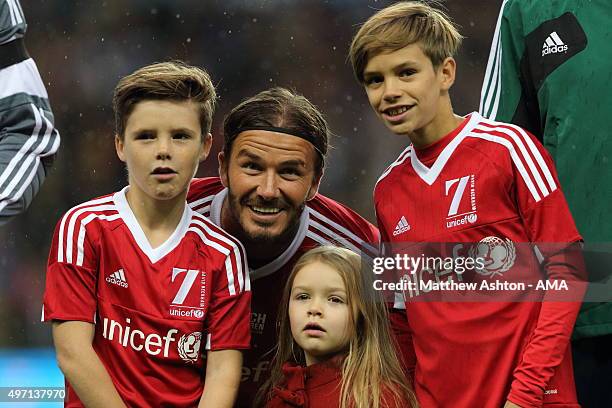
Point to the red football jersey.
(155, 310)
(492, 184)
(323, 222)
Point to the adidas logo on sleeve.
(553, 44)
(117, 278)
(402, 226)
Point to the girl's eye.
(301, 296)
(181, 136)
(144, 136)
(336, 299)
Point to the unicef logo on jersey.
(462, 207)
(189, 346)
(498, 255)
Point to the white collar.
(429, 175)
(154, 254)
(282, 259)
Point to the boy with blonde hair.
(482, 184)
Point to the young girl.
(334, 349)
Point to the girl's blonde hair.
(371, 368)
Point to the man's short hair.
(282, 108)
(400, 25)
(172, 80)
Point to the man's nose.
(268, 187)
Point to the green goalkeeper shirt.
(550, 71)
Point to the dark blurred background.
(83, 47)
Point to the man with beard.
(270, 169)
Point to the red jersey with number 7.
(485, 186)
(156, 310)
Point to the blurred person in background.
(28, 139)
(549, 72)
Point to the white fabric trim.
(68, 216)
(22, 77)
(429, 175)
(341, 229)
(81, 236)
(7, 195)
(72, 224)
(201, 201)
(400, 159)
(291, 250)
(517, 161)
(276, 264)
(237, 254)
(514, 135)
(154, 254)
(216, 205)
(493, 70)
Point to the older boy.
(472, 181)
(137, 282)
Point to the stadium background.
(82, 48)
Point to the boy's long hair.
(371, 368)
(400, 25)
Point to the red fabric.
(495, 183)
(315, 386)
(327, 222)
(153, 318)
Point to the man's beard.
(263, 235)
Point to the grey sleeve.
(12, 21)
(28, 138)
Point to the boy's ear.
(119, 148)
(223, 168)
(447, 69)
(206, 145)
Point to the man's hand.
(510, 404)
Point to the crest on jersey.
(462, 207)
(189, 299)
(498, 255)
(189, 346)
